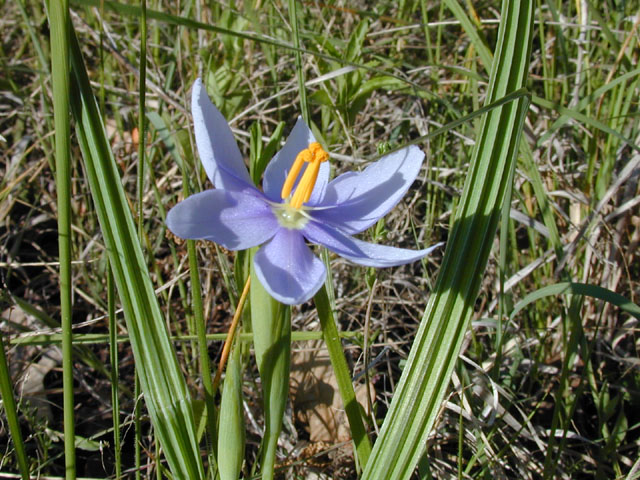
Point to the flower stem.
(232, 330)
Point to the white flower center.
(289, 216)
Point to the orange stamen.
(314, 156)
(303, 156)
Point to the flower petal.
(356, 200)
(362, 253)
(233, 219)
(276, 172)
(218, 149)
(288, 269)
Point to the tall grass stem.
(293, 19)
(113, 359)
(59, 21)
(11, 412)
(142, 134)
(341, 370)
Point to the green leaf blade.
(425, 379)
(271, 325)
(163, 385)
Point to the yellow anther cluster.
(313, 156)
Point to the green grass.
(547, 383)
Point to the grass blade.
(10, 411)
(59, 20)
(161, 380)
(434, 353)
(582, 118)
(142, 134)
(196, 289)
(271, 324)
(293, 18)
(471, 31)
(572, 288)
(231, 441)
(341, 370)
(113, 359)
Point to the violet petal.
(356, 200)
(235, 220)
(288, 269)
(217, 148)
(360, 252)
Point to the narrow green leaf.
(163, 385)
(98, 338)
(435, 350)
(302, 91)
(142, 91)
(572, 288)
(255, 147)
(231, 432)
(271, 324)
(59, 21)
(11, 412)
(356, 41)
(531, 167)
(266, 153)
(585, 119)
(381, 81)
(343, 377)
(113, 360)
(471, 31)
(587, 101)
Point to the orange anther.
(313, 156)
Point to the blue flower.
(293, 207)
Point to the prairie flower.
(298, 204)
